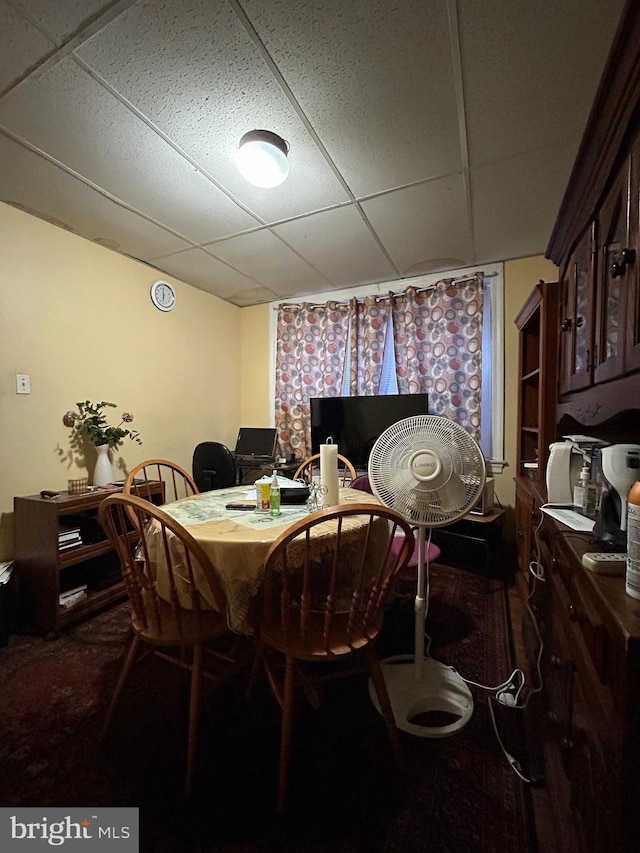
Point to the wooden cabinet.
(524, 530)
(46, 570)
(596, 245)
(588, 644)
(537, 324)
(600, 331)
(581, 627)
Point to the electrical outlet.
(23, 383)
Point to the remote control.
(605, 563)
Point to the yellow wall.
(79, 320)
(256, 367)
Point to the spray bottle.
(274, 495)
(632, 579)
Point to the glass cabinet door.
(632, 347)
(576, 340)
(612, 280)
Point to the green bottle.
(274, 495)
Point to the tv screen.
(354, 423)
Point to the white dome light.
(262, 158)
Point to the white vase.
(103, 472)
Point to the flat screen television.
(354, 423)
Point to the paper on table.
(329, 474)
(571, 518)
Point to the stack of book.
(73, 596)
(69, 537)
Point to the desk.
(237, 542)
(260, 468)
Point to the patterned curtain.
(311, 345)
(438, 347)
(438, 350)
(370, 327)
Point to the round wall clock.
(163, 295)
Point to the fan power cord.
(512, 761)
(509, 693)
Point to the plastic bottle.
(632, 579)
(580, 491)
(263, 488)
(274, 495)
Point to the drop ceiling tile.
(192, 69)
(516, 201)
(530, 70)
(266, 259)
(339, 244)
(423, 228)
(22, 45)
(62, 18)
(374, 78)
(205, 272)
(39, 187)
(67, 113)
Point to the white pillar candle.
(329, 474)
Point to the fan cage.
(450, 493)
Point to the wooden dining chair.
(326, 580)
(143, 482)
(310, 468)
(167, 577)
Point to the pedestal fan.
(431, 471)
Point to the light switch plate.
(23, 383)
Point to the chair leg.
(132, 654)
(385, 706)
(194, 716)
(286, 732)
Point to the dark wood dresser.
(585, 628)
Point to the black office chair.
(214, 466)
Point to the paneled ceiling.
(424, 135)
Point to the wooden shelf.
(538, 326)
(45, 571)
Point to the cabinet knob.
(566, 744)
(574, 613)
(566, 324)
(623, 259)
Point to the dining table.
(237, 542)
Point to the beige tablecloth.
(237, 542)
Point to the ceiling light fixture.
(262, 158)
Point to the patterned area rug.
(455, 794)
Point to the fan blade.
(452, 494)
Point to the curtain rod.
(381, 296)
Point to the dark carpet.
(455, 794)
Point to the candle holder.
(316, 493)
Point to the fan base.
(440, 691)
